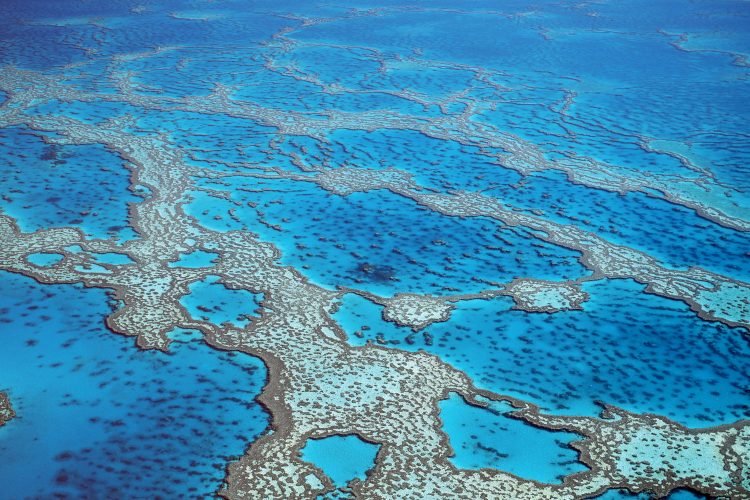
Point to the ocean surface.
(254, 186)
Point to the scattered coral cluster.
(6, 410)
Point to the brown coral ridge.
(651, 453)
(319, 385)
(688, 286)
(698, 288)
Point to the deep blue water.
(94, 412)
(381, 242)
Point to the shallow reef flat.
(289, 250)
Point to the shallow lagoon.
(342, 458)
(488, 438)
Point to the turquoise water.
(675, 495)
(488, 438)
(342, 458)
(44, 259)
(632, 114)
(109, 258)
(194, 259)
(636, 220)
(93, 412)
(394, 247)
(210, 300)
(567, 361)
(47, 185)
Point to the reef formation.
(320, 384)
